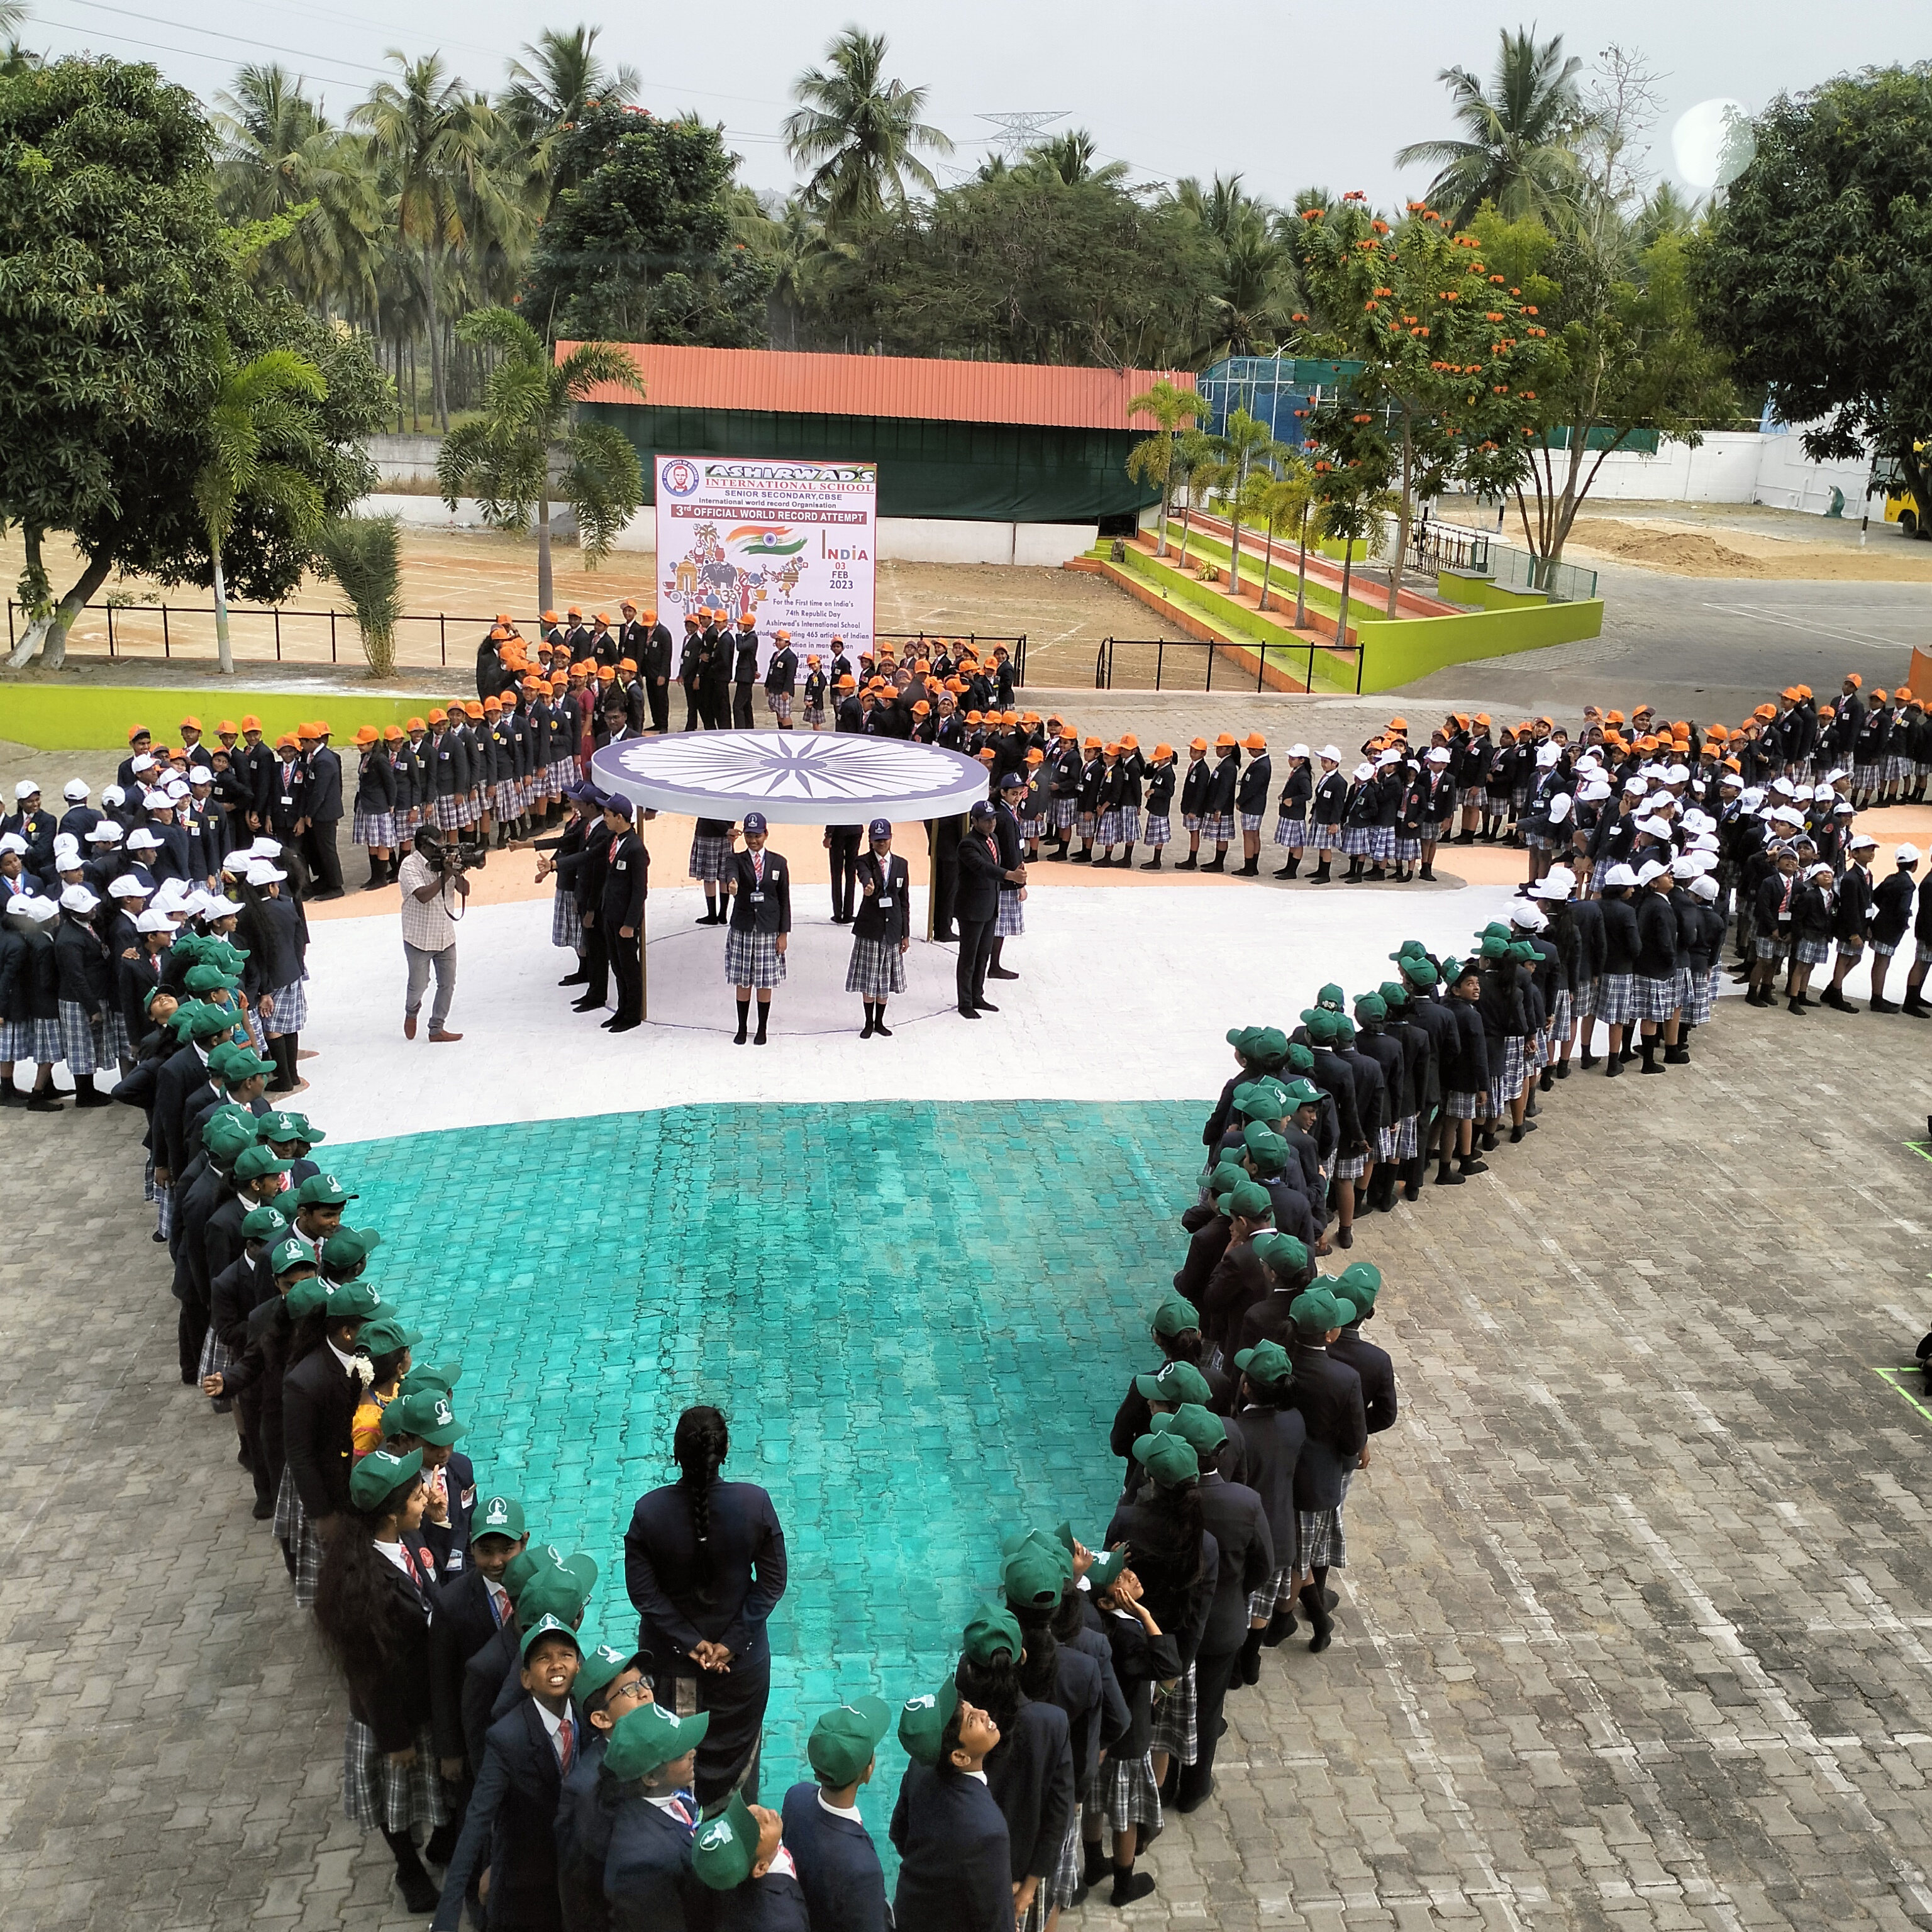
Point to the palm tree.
(857, 131)
(253, 416)
(1246, 445)
(14, 58)
(364, 554)
(1195, 459)
(560, 78)
(1068, 159)
(1520, 151)
(278, 152)
(1281, 504)
(1151, 459)
(504, 456)
(430, 141)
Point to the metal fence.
(260, 632)
(1434, 547)
(1187, 663)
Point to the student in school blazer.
(750, 911)
(872, 916)
(318, 1399)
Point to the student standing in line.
(649, 1884)
(758, 883)
(837, 1865)
(704, 1562)
(951, 1836)
(881, 929)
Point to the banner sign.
(789, 544)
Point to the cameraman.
(427, 877)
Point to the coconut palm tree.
(1281, 504)
(504, 455)
(1246, 446)
(1151, 459)
(1519, 148)
(251, 423)
(559, 76)
(14, 58)
(1068, 158)
(857, 131)
(431, 141)
(1196, 459)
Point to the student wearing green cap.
(1267, 1433)
(1182, 1377)
(346, 1253)
(513, 1806)
(1289, 1267)
(320, 1390)
(1029, 1772)
(471, 1608)
(254, 1379)
(373, 1607)
(649, 1883)
(837, 1863)
(740, 1854)
(704, 1563)
(1328, 1394)
(291, 1136)
(610, 1685)
(1357, 1287)
(542, 1581)
(319, 1203)
(426, 1420)
(1468, 1096)
(955, 1851)
(1178, 1564)
(1371, 1110)
(1238, 1279)
(387, 1342)
(1209, 1232)
(1126, 1795)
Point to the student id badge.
(685, 1698)
(757, 898)
(885, 898)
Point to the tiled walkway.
(1636, 1631)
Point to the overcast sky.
(1287, 97)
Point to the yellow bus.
(1901, 507)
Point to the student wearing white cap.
(1328, 806)
(80, 818)
(35, 827)
(1291, 824)
(29, 1002)
(1439, 804)
(85, 990)
(1851, 918)
(1890, 917)
(277, 937)
(1811, 913)
(1914, 1003)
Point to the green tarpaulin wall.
(999, 473)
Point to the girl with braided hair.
(704, 1562)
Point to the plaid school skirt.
(164, 1209)
(291, 1005)
(780, 703)
(1465, 1106)
(378, 1796)
(1921, 953)
(1062, 1883)
(753, 958)
(1770, 945)
(566, 923)
(1123, 1789)
(562, 774)
(1159, 828)
(300, 1549)
(1584, 1000)
(1400, 1140)
(1616, 998)
(1291, 830)
(80, 1044)
(507, 798)
(1563, 1014)
(710, 856)
(1175, 1715)
(1130, 823)
(1656, 998)
(1108, 830)
(1323, 1545)
(815, 715)
(374, 831)
(1353, 1168)
(1882, 950)
(877, 969)
(1063, 811)
(1599, 873)
(1192, 821)
(115, 1045)
(1280, 1588)
(446, 810)
(1507, 1085)
(216, 1355)
(1811, 952)
(1702, 998)
(1407, 850)
(1867, 775)
(1086, 824)
(1898, 771)
(1218, 825)
(1251, 821)
(1009, 916)
(1033, 829)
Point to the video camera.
(466, 855)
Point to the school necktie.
(566, 1744)
(499, 1604)
(679, 1811)
(410, 1565)
(757, 868)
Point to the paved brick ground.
(1635, 1633)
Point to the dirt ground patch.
(465, 578)
(1682, 549)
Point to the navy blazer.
(1030, 1774)
(1235, 1519)
(773, 1904)
(772, 911)
(648, 1882)
(1329, 1395)
(951, 1837)
(1377, 1371)
(513, 1808)
(586, 1813)
(1267, 1446)
(449, 1543)
(748, 1555)
(839, 1867)
(483, 1677)
(464, 1624)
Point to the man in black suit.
(620, 913)
(976, 907)
(1328, 1393)
(656, 666)
(322, 815)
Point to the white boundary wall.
(1734, 467)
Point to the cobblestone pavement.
(1635, 1631)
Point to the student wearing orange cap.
(195, 751)
(1251, 801)
(1065, 763)
(373, 825)
(782, 680)
(1217, 816)
(1162, 778)
(1092, 781)
(658, 664)
(716, 659)
(816, 685)
(1194, 801)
